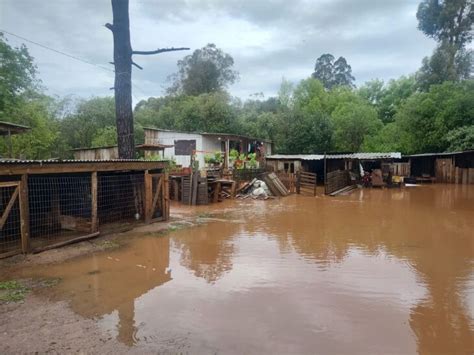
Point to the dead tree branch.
(138, 66)
(160, 50)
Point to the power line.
(69, 56)
(57, 51)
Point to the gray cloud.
(268, 39)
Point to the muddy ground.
(38, 325)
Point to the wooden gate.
(13, 219)
(156, 197)
(306, 183)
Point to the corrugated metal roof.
(73, 161)
(361, 156)
(438, 154)
(240, 136)
(296, 157)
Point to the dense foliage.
(429, 111)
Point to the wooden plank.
(217, 191)
(94, 219)
(24, 214)
(78, 167)
(66, 242)
(148, 195)
(166, 194)
(10, 253)
(194, 187)
(465, 176)
(232, 190)
(7, 210)
(471, 176)
(9, 183)
(157, 195)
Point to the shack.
(326, 163)
(452, 167)
(48, 203)
(111, 152)
(190, 146)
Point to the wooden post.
(298, 181)
(94, 220)
(216, 192)
(10, 144)
(325, 174)
(24, 214)
(148, 196)
(166, 197)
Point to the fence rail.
(306, 183)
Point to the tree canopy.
(206, 70)
(431, 110)
(333, 73)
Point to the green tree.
(333, 73)
(447, 63)
(448, 21)
(388, 98)
(353, 119)
(17, 75)
(427, 118)
(207, 70)
(42, 141)
(460, 139)
(79, 128)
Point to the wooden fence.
(306, 183)
(336, 180)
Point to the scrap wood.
(246, 186)
(280, 189)
(343, 190)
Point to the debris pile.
(269, 187)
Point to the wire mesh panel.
(120, 197)
(10, 233)
(60, 208)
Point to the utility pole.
(123, 62)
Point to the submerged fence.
(43, 211)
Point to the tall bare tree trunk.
(123, 76)
(123, 79)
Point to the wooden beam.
(156, 196)
(66, 242)
(79, 167)
(24, 214)
(148, 195)
(94, 219)
(166, 195)
(7, 210)
(9, 184)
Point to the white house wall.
(165, 137)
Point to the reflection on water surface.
(378, 271)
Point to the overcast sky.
(268, 39)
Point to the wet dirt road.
(378, 271)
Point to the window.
(184, 147)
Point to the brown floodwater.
(377, 271)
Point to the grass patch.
(12, 291)
(107, 244)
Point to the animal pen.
(45, 204)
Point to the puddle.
(377, 271)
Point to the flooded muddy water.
(378, 271)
